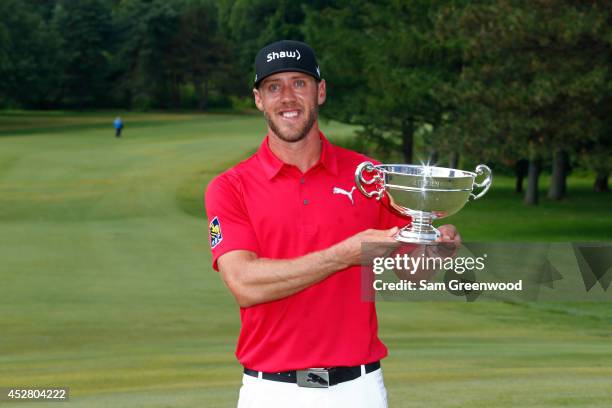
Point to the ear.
(321, 92)
(258, 101)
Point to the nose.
(287, 93)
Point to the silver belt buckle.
(313, 378)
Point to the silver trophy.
(425, 193)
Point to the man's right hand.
(352, 252)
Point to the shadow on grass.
(190, 193)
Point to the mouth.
(290, 115)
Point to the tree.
(596, 154)
(30, 57)
(170, 49)
(204, 55)
(148, 72)
(532, 74)
(251, 24)
(384, 64)
(85, 29)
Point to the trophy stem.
(421, 231)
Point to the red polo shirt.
(273, 209)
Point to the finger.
(442, 237)
(391, 231)
(449, 232)
(445, 237)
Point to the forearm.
(260, 280)
(254, 280)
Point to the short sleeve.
(229, 226)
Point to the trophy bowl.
(425, 193)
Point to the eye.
(274, 87)
(299, 83)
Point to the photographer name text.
(451, 285)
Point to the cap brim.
(279, 70)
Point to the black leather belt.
(316, 377)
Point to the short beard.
(301, 134)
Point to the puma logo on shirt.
(338, 190)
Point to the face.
(290, 103)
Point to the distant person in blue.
(118, 126)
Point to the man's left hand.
(448, 233)
(449, 242)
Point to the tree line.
(523, 84)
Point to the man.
(118, 123)
(286, 231)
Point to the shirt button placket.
(304, 199)
(306, 204)
(302, 182)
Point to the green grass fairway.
(106, 284)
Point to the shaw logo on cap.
(215, 232)
(283, 54)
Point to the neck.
(303, 154)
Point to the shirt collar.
(272, 164)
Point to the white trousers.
(367, 391)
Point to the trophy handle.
(360, 181)
(485, 184)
